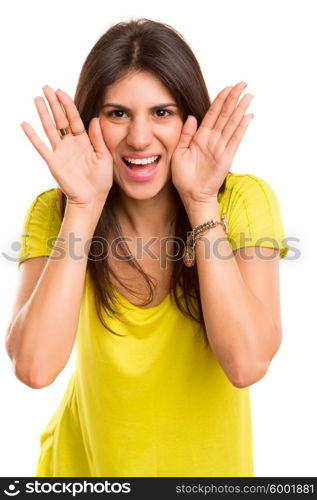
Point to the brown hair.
(142, 45)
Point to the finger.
(237, 137)
(236, 117)
(229, 106)
(96, 137)
(39, 145)
(71, 111)
(59, 115)
(47, 122)
(188, 131)
(212, 114)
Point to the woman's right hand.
(81, 164)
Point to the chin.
(144, 193)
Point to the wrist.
(210, 221)
(88, 212)
(200, 212)
(92, 207)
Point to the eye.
(114, 113)
(119, 113)
(169, 113)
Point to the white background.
(272, 46)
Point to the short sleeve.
(41, 226)
(253, 214)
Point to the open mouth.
(141, 165)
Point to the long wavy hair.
(157, 48)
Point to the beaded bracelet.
(189, 252)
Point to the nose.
(140, 133)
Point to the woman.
(171, 322)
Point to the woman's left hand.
(203, 157)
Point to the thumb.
(188, 131)
(96, 137)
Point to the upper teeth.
(141, 161)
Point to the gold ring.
(79, 133)
(63, 131)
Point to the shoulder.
(41, 225)
(252, 210)
(47, 197)
(47, 202)
(248, 193)
(44, 212)
(247, 185)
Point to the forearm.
(43, 333)
(238, 326)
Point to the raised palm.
(81, 164)
(203, 157)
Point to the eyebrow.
(124, 108)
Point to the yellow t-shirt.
(154, 402)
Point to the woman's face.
(140, 120)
